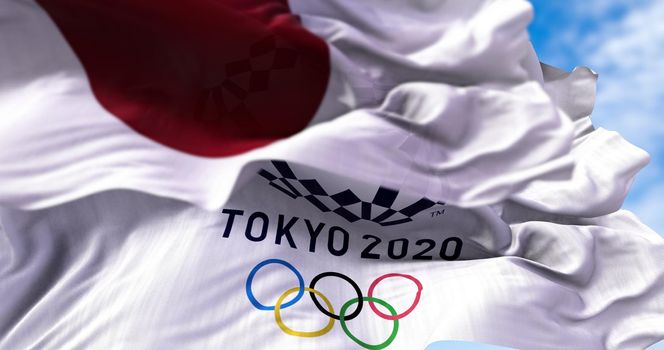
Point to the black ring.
(347, 279)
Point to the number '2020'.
(450, 248)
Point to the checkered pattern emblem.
(248, 76)
(345, 203)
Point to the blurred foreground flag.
(257, 174)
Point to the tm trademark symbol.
(437, 213)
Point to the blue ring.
(250, 280)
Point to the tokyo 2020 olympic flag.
(309, 174)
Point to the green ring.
(383, 345)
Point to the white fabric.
(125, 270)
(466, 116)
(601, 177)
(377, 45)
(472, 143)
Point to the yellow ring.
(277, 315)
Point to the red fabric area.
(207, 77)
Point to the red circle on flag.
(207, 77)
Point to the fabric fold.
(605, 163)
(445, 173)
(481, 140)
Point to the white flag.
(329, 174)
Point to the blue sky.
(623, 41)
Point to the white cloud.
(628, 56)
(602, 8)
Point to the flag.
(178, 100)
(309, 175)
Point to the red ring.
(403, 314)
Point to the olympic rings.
(282, 325)
(320, 276)
(250, 280)
(403, 314)
(383, 345)
(343, 319)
